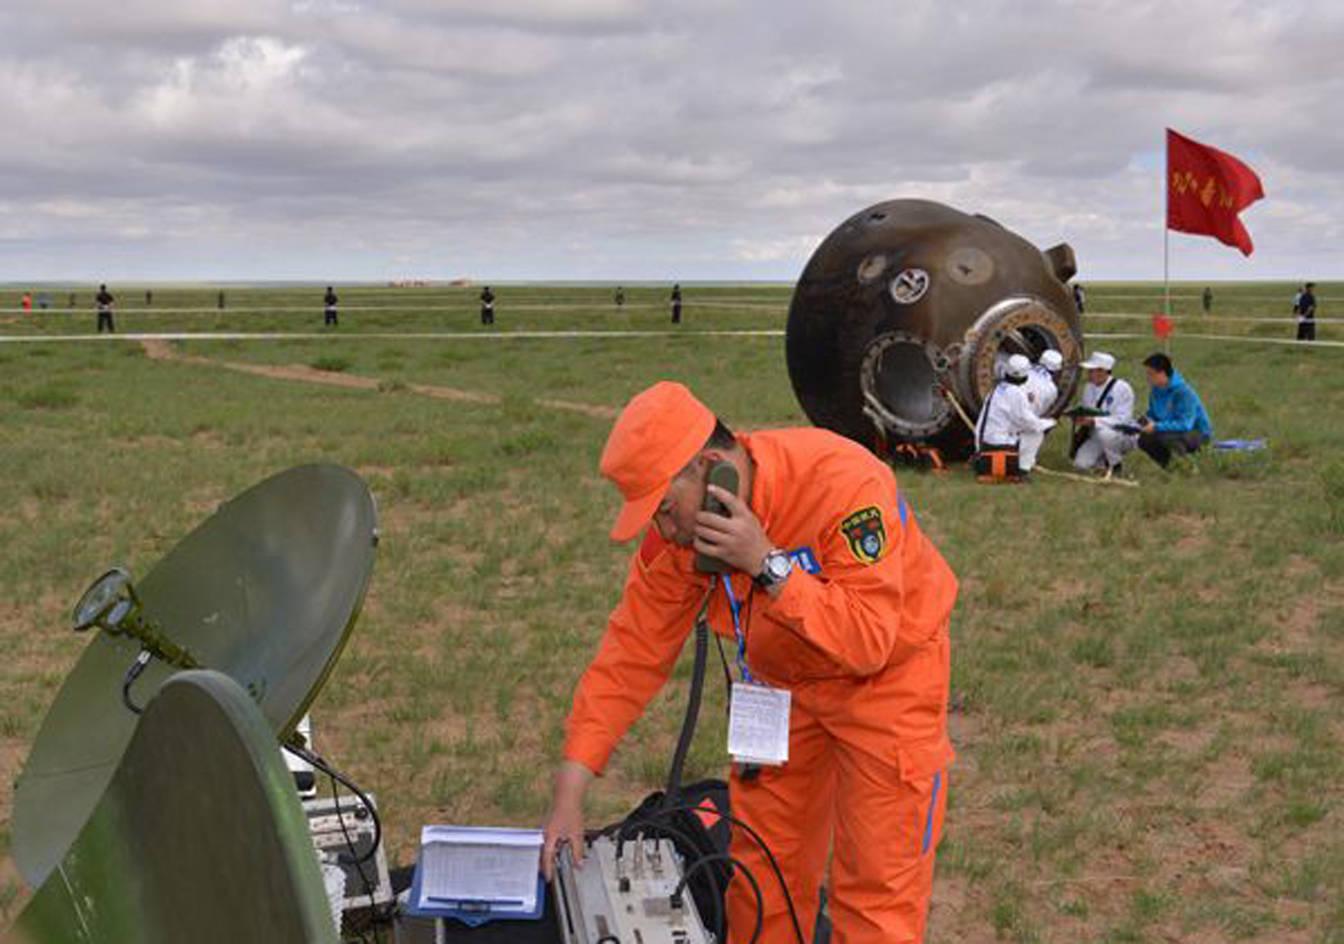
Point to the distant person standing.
(487, 306)
(149, 298)
(1306, 313)
(26, 303)
(1079, 297)
(72, 300)
(104, 301)
(43, 301)
(676, 303)
(620, 298)
(1208, 299)
(329, 307)
(220, 300)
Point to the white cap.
(1099, 360)
(1017, 366)
(1051, 360)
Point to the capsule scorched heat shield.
(910, 304)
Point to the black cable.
(727, 676)
(673, 791)
(770, 857)
(370, 888)
(746, 873)
(133, 673)
(352, 857)
(306, 755)
(359, 867)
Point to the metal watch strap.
(765, 580)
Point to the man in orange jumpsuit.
(854, 624)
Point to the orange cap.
(654, 438)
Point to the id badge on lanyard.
(758, 715)
(758, 724)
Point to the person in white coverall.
(1007, 419)
(1042, 391)
(1104, 446)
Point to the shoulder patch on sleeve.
(866, 534)
(651, 547)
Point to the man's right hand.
(564, 823)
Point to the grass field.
(1147, 682)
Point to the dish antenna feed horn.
(112, 605)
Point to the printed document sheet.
(480, 865)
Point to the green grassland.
(1147, 682)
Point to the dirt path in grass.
(161, 350)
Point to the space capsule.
(903, 312)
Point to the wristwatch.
(775, 569)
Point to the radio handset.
(724, 475)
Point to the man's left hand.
(738, 540)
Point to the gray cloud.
(628, 139)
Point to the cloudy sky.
(546, 139)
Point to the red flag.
(1162, 327)
(1206, 189)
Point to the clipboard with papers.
(477, 874)
(1079, 411)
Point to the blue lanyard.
(736, 610)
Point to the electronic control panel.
(626, 895)
(342, 831)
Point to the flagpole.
(1166, 238)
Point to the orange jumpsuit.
(859, 634)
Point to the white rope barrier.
(388, 335)
(1250, 340)
(1201, 319)
(1196, 295)
(316, 309)
(542, 335)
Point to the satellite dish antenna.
(161, 859)
(265, 591)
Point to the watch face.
(779, 566)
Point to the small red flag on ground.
(1206, 189)
(1162, 327)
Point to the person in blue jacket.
(1176, 422)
